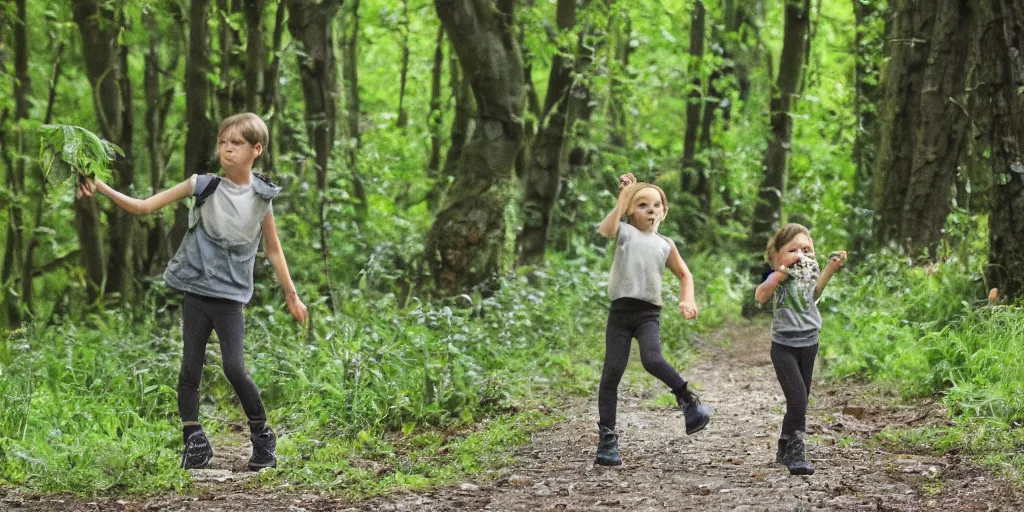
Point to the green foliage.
(72, 151)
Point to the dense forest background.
(444, 167)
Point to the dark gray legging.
(623, 326)
(794, 368)
(200, 316)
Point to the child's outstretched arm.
(835, 262)
(687, 304)
(137, 206)
(609, 227)
(272, 245)
(766, 289)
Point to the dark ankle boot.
(607, 447)
(696, 414)
(780, 455)
(794, 458)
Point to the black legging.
(623, 326)
(794, 368)
(200, 316)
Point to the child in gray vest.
(213, 268)
(634, 288)
(794, 286)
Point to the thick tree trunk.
(462, 124)
(941, 133)
(353, 114)
(231, 99)
(13, 250)
(617, 124)
(158, 102)
(768, 211)
(1001, 112)
(271, 92)
(693, 98)
(403, 117)
(543, 177)
(464, 244)
(201, 138)
(868, 48)
(900, 114)
(106, 65)
(255, 55)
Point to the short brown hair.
(783, 236)
(642, 185)
(250, 126)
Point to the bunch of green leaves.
(67, 151)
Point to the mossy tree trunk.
(464, 243)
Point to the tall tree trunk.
(312, 25)
(231, 98)
(353, 115)
(158, 104)
(462, 125)
(693, 98)
(941, 134)
(543, 176)
(1001, 114)
(13, 251)
(271, 93)
(465, 241)
(106, 64)
(768, 210)
(255, 55)
(868, 48)
(434, 122)
(200, 140)
(619, 130)
(900, 114)
(403, 118)
(533, 113)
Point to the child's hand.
(783, 272)
(688, 308)
(836, 260)
(626, 180)
(296, 307)
(86, 187)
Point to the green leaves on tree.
(67, 151)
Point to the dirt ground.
(728, 466)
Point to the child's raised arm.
(609, 227)
(687, 304)
(137, 206)
(766, 289)
(835, 261)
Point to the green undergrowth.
(927, 331)
(375, 397)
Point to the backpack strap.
(207, 192)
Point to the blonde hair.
(640, 186)
(250, 126)
(783, 236)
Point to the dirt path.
(729, 466)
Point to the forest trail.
(728, 466)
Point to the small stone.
(469, 487)
(519, 481)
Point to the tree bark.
(255, 55)
(271, 93)
(543, 177)
(617, 124)
(900, 115)
(434, 122)
(462, 125)
(768, 211)
(403, 118)
(106, 64)
(1001, 114)
(941, 133)
(201, 138)
(693, 98)
(465, 241)
(158, 103)
(353, 115)
(231, 99)
(13, 250)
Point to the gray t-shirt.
(217, 255)
(638, 265)
(796, 320)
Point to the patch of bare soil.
(728, 466)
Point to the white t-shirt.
(639, 265)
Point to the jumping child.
(794, 286)
(634, 288)
(213, 268)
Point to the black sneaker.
(607, 447)
(780, 455)
(198, 451)
(794, 459)
(696, 414)
(264, 449)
